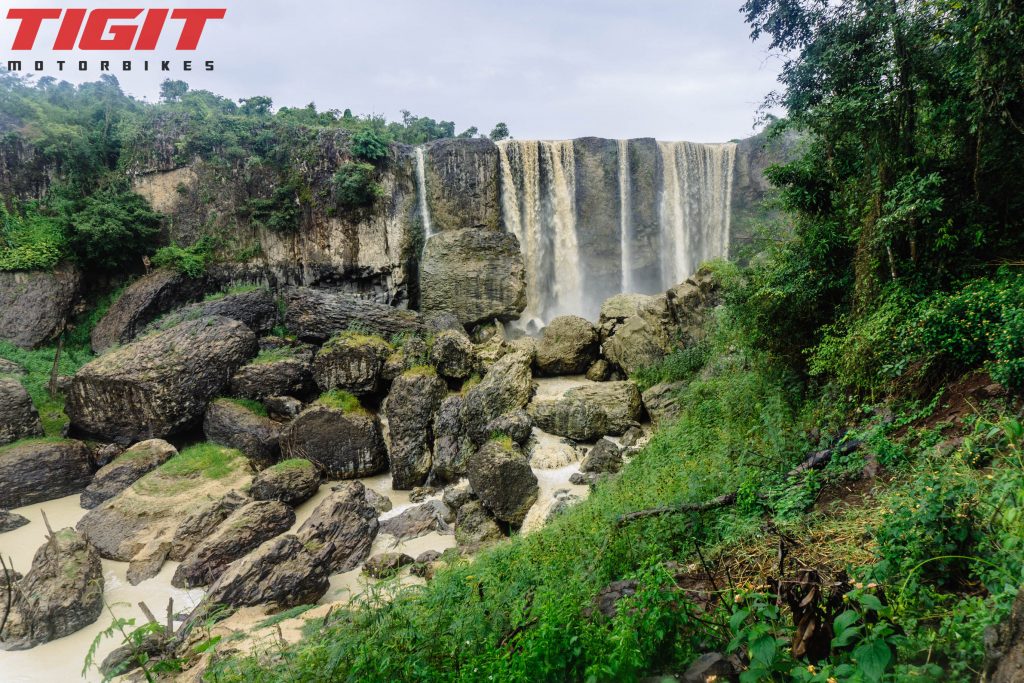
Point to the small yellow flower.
(832, 679)
(811, 669)
(738, 598)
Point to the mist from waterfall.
(664, 235)
(694, 216)
(421, 190)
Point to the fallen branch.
(815, 460)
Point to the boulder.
(378, 501)
(662, 402)
(352, 362)
(292, 482)
(635, 345)
(160, 384)
(154, 507)
(572, 418)
(283, 408)
(35, 471)
(9, 521)
(410, 409)
(455, 496)
(61, 594)
(142, 302)
(202, 523)
(507, 387)
(620, 401)
(245, 529)
(19, 418)
(561, 501)
(35, 305)
(11, 369)
(474, 528)
(689, 303)
(419, 520)
(231, 424)
(341, 529)
(502, 479)
(344, 445)
(384, 565)
(567, 346)
(256, 309)
(451, 445)
(317, 315)
(452, 354)
(124, 471)
(604, 458)
(462, 189)
(478, 274)
(274, 374)
(278, 575)
(148, 562)
(599, 371)
(517, 426)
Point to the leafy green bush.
(678, 366)
(111, 230)
(369, 145)
(355, 185)
(281, 212)
(191, 261)
(31, 241)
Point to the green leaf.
(845, 620)
(871, 602)
(873, 659)
(737, 619)
(763, 649)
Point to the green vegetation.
(248, 404)
(201, 460)
(38, 365)
(237, 289)
(284, 616)
(292, 464)
(339, 399)
(267, 356)
(354, 185)
(191, 261)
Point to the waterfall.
(625, 218)
(669, 228)
(538, 197)
(696, 196)
(421, 189)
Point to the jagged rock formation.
(410, 409)
(292, 482)
(341, 529)
(37, 471)
(18, 415)
(343, 445)
(125, 470)
(501, 477)
(235, 426)
(256, 309)
(34, 306)
(160, 384)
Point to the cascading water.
(539, 203)
(625, 218)
(696, 198)
(687, 205)
(421, 189)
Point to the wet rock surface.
(125, 470)
(568, 345)
(19, 418)
(353, 362)
(384, 565)
(236, 426)
(419, 521)
(343, 445)
(201, 524)
(292, 482)
(35, 305)
(255, 309)
(316, 315)
(604, 458)
(507, 387)
(284, 377)
(35, 471)
(452, 355)
(341, 529)
(501, 477)
(160, 384)
(410, 410)
(474, 528)
(9, 521)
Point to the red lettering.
(149, 35)
(69, 29)
(96, 28)
(31, 20)
(195, 22)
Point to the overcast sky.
(671, 69)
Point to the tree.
(173, 91)
(257, 106)
(111, 229)
(470, 132)
(500, 132)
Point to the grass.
(237, 289)
(249, 404)
(268, 356)
(30, 440)
(356, 337)
(679, 366)
(201, 460)
(38, 363)
(292, 464)
(339, 399)
(284, 616)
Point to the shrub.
(191, 261)
(111, 230)
(354, 185)
(338, 399)
(369, 145)
(31, 241)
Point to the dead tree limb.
(9, 586)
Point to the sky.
(550, 69)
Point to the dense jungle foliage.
(873, 331)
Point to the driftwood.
(815, 460)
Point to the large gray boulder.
(125, 470)
(284, 373)
(419, 520)
(620, 401)
(451, 445)
(316, 315)
(574, 419)
(343, 445)
(474, 528)
(462, 184)
(232, 424)
(507, 387)
(341, 529)
(160, 384)
(385, 565)
(61, 594)
(256, 309)
(35, 305)
(292, 482)
(141, 303)
(604, 458)
(637, 330)
(352, 362)
(9, 521)
(245, 529)
(568, 346)
(280, 574)
(690, 302)
(501, 477)
(662, 402)
(452, 354)
(18, 415)
(410, 409)
(203, 522)
(478, 274)
(35, 471)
